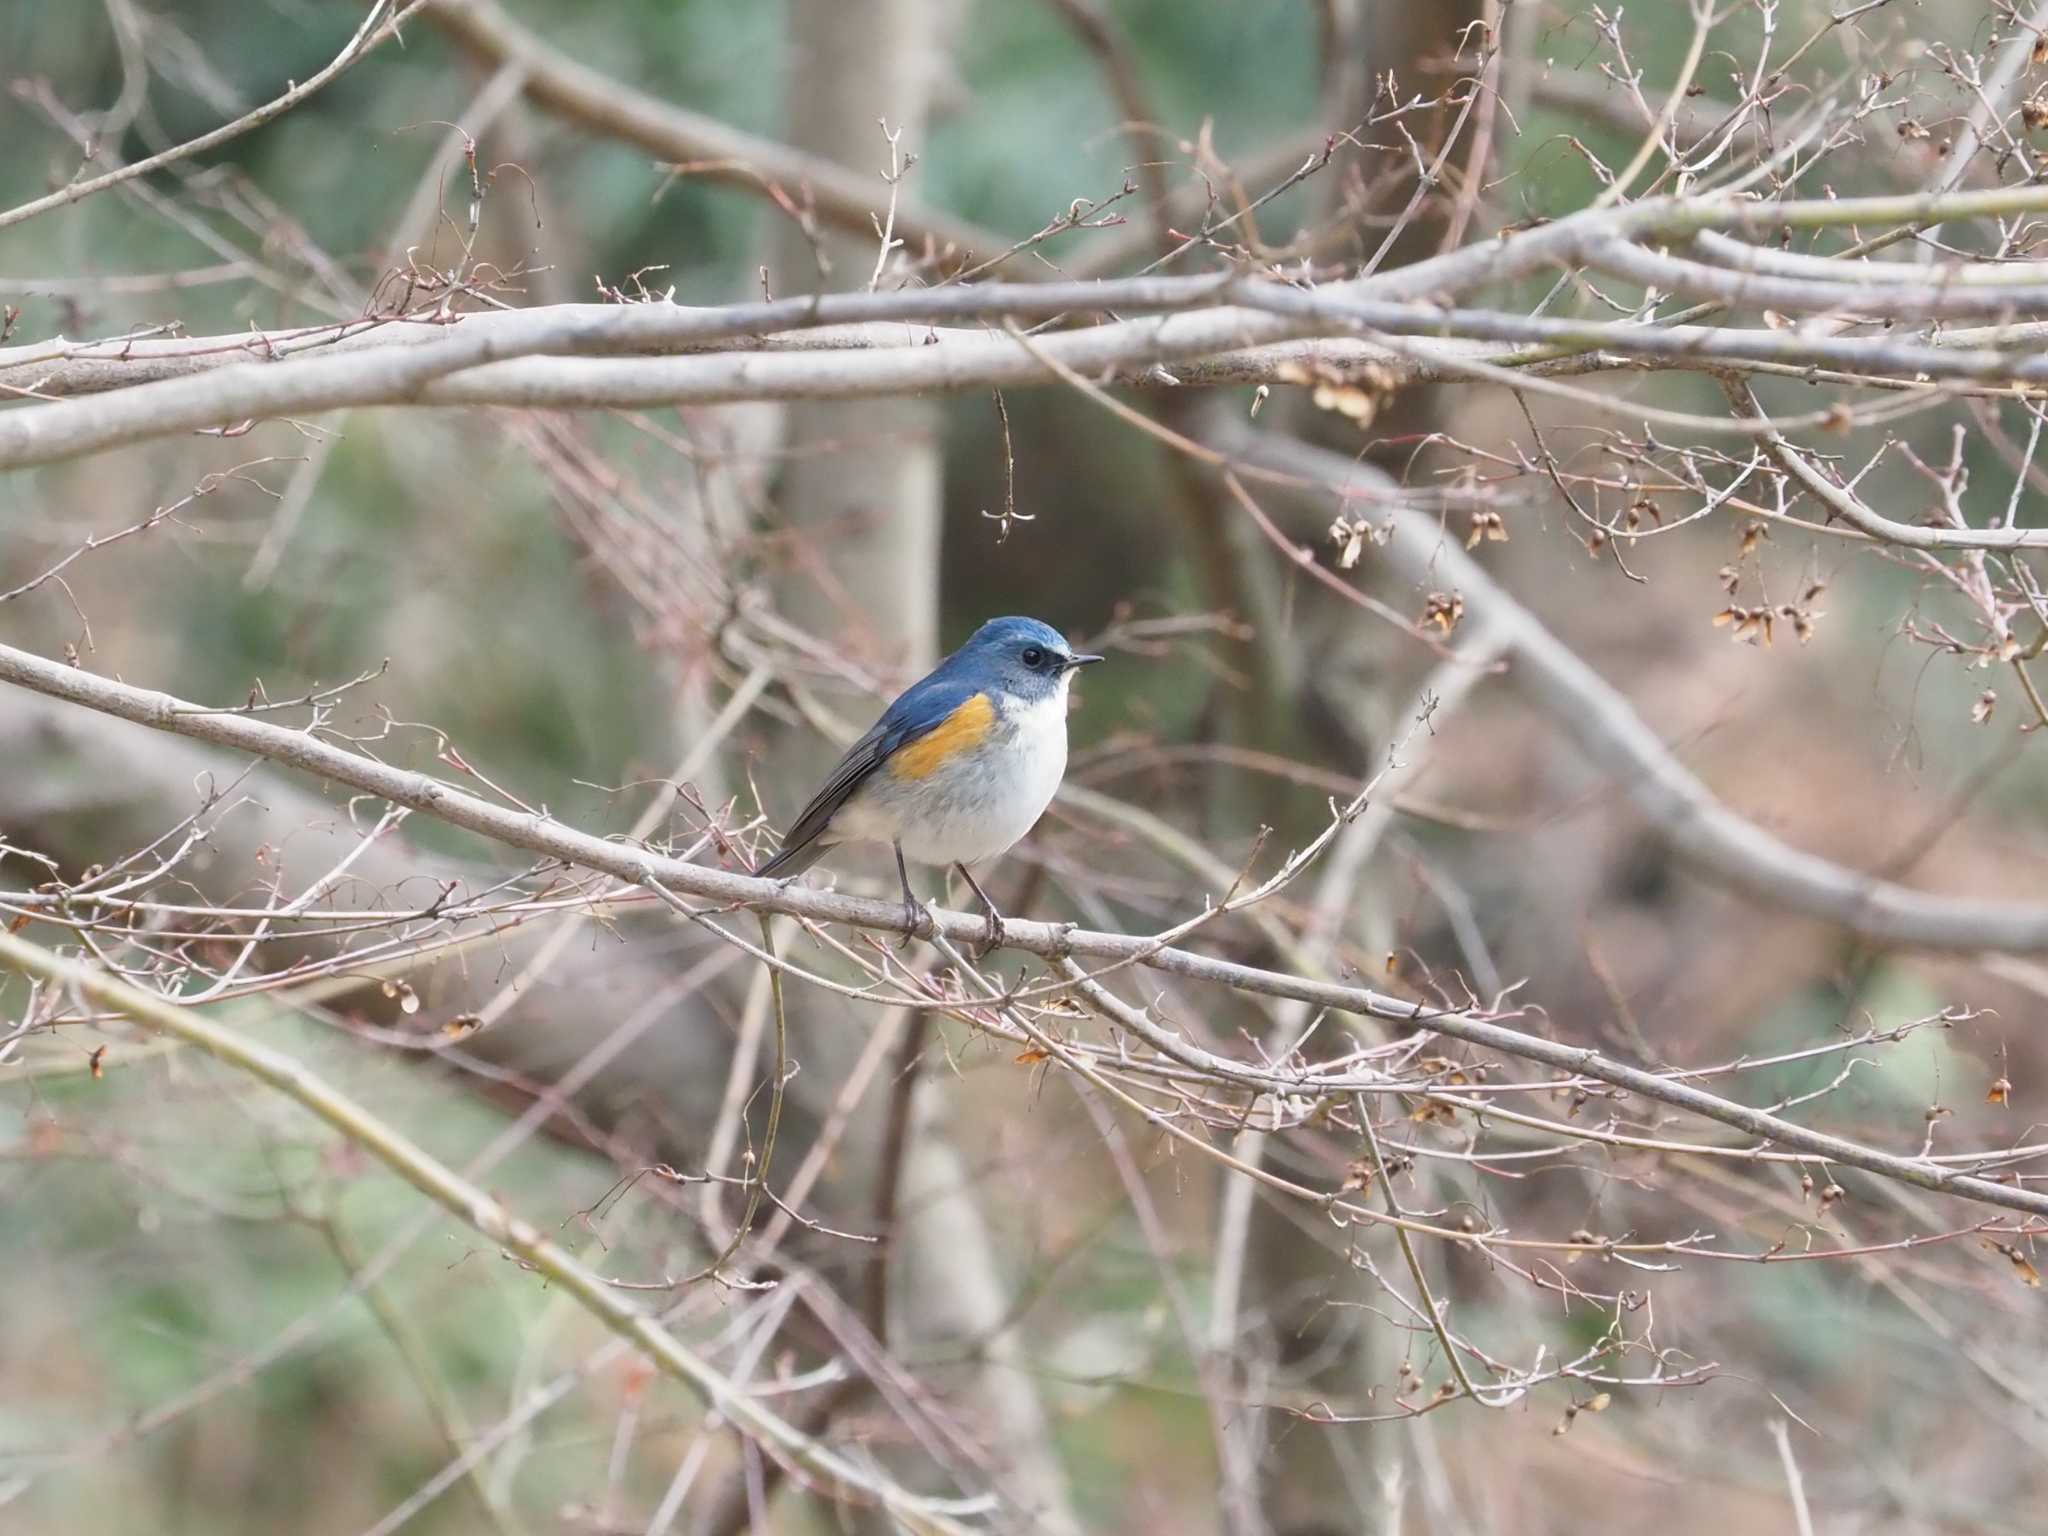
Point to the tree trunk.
(1287, 1335)
(861, 493)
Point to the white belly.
(979, 804)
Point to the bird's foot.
(996, 936)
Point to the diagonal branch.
(704, 146)
(483, 1212)
(1844, 503)
(1964, 922)
(1709, 836)
(375, 28)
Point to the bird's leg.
(995, 918)
(910, 906)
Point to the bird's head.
(1021, 657)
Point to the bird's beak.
(1081, 661)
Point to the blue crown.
(1002, 634)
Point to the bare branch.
(1568, 677)
(697, 145)
(1709, 836)
(375, 28)
(484, 1213)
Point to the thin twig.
(374, 29)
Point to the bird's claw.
(995, 938)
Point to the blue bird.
(957, 769)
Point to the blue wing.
(921, 709)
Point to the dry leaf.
(1750, 624)
(1486, 525)
(2022, 1267)
(1346, 400)
(1444, 610)
(1597, 1403)
(1356, 393)
(1349, 535)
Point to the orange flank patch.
(958, 732)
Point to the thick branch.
(1213, 329)
(1608, 730)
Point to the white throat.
(1036, 714)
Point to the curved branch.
(65, 368)
(483, 1212)
(1929, 299)
(1608, 721)
(701, 145)
(246, 390)
(1743, 256)
(1607, 729)
(1214, 330)
(1857, 513)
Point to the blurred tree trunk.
(861, 493)
(1291, 1341)
(861, 487)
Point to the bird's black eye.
(1034, 657)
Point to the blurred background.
(221, 1317)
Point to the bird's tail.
(793, 860)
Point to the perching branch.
(638, 867)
